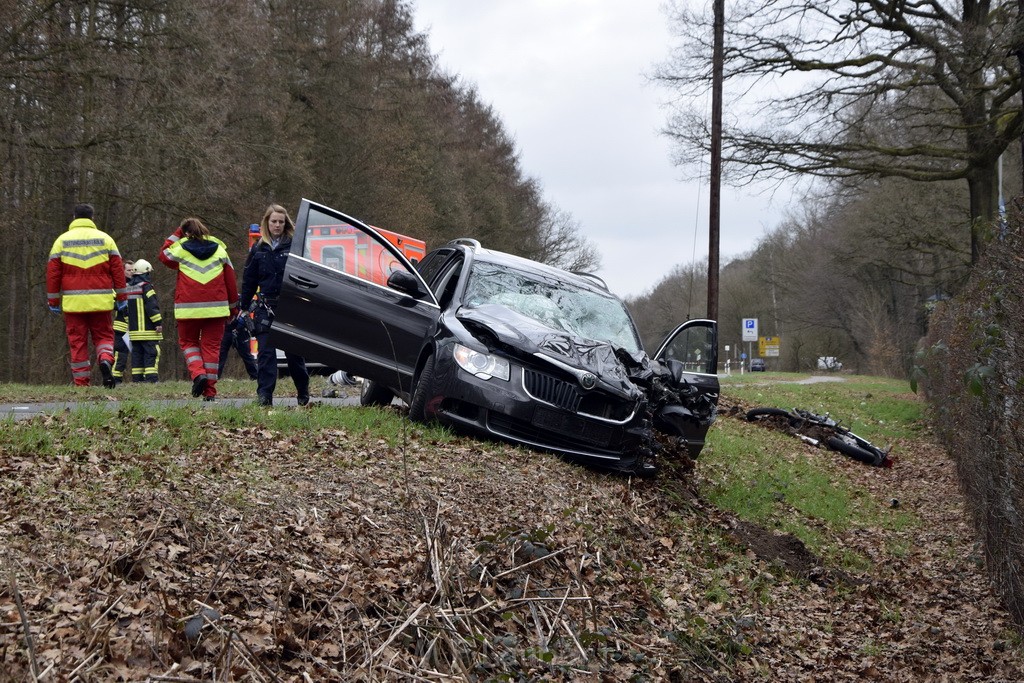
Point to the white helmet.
(142, 266)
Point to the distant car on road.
(498, 345)
(757, 365)
(829, 363)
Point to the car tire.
(373, 394)
(421, 391)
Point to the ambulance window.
(333, 257)
(347, 248)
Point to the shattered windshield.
(554, 303)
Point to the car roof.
(582, 280)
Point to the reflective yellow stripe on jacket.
(201, 273)
(84, 252)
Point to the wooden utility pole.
(714, 211)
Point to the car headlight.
(482, 365)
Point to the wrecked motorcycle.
(819, 430)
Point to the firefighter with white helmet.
(145, 324)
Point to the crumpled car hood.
(612, 367)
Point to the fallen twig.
(78, 668)
(583, 653)
(531, 562)
(28, 630)
(414, 677)
(394, 634)
(114, 604)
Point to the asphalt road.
(28, 410)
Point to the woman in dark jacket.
(264, 271)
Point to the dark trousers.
(121, 356)
(240, 341)
(267, 361)
(145, 360)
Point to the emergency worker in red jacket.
(205, 298)
(84, 280)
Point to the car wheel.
(421, 391)
(373, 394)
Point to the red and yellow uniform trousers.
(84, 276)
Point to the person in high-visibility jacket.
(205, 298)
(145, 324)
(84, 281)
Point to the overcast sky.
(567, 78)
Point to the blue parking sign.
(750, 329)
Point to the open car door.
(351, 300)
(691, 353)
(693, 348)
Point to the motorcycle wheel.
(867, 453)
(758, 413)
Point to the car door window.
(433, 263)
(693, 348)
(336, 306)
(347, 248)
(446, 282)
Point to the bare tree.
(813, 79)
(679, 296)
(557, 240)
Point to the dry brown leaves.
(256, 560)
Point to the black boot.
(108, 374)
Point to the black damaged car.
(498, 345)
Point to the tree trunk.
(982, 185)
(1020, 60)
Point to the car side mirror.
(405, 282)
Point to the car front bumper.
(509, 411)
